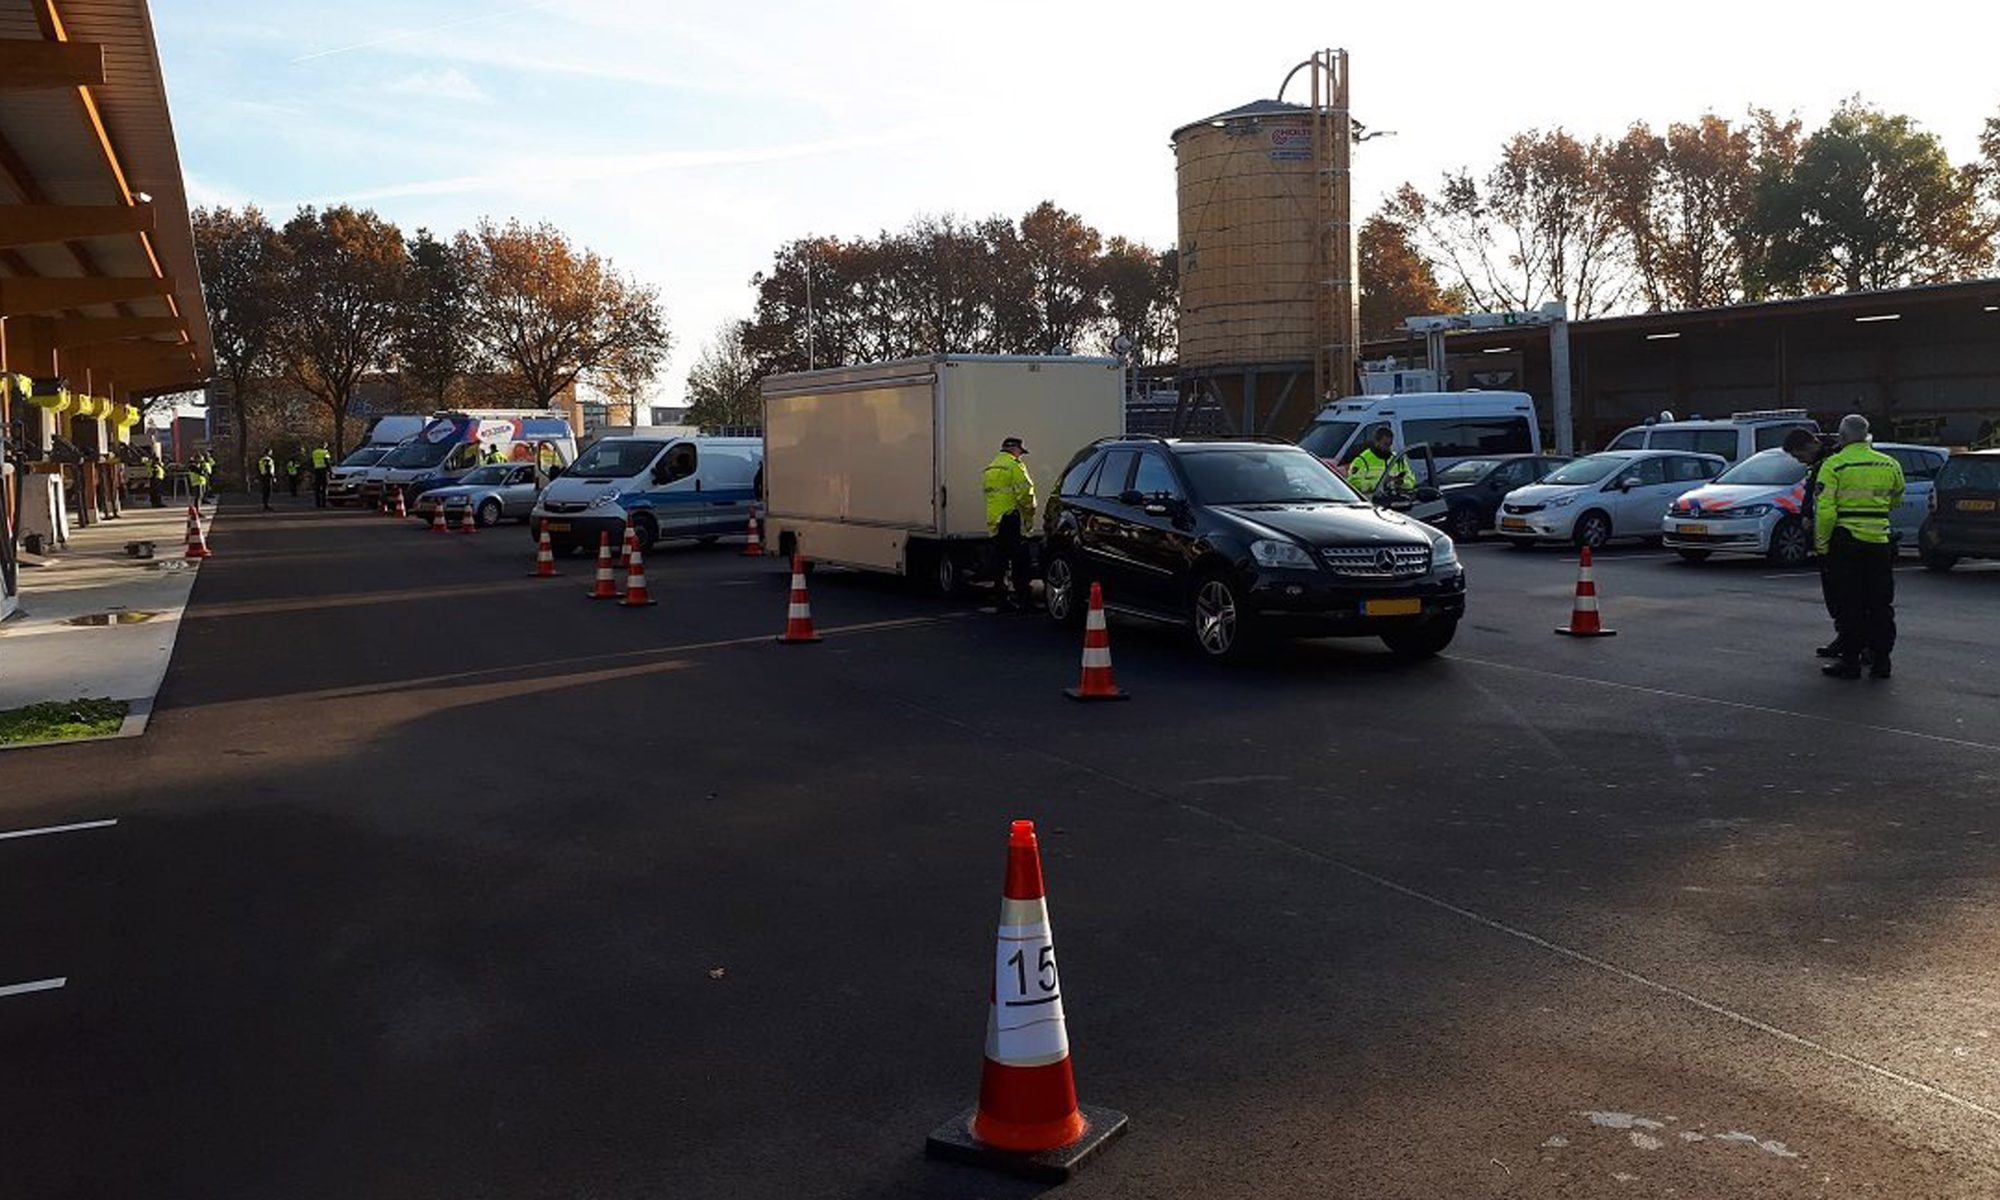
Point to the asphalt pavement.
(433, 880)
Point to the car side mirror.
(1628, 483)
(1428, 494)
(1132, 497)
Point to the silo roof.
(1256, 108)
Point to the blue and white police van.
(667, 485)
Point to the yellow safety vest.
(321, 458)
(1368, 468)
(1008, 489)
(267, 467)
(1857, 490)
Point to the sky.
(687, 141)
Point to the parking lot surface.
(445, 881)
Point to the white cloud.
(447, 84)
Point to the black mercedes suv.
(1240, 539)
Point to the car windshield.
(619, 459)
(1589, 469)
(1774, 467)
(1468, 471)
(418, 453)
(1262, 475)
(1327, 437)
(366, 456)
(486, 476)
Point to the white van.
(384, 434)
(667, 485)
(1735, 439)
(1455, 425)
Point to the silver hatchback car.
(493, 493)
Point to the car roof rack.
(1771, 414)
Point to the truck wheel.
(1791, 546)
(947, 574)
(1422, 642)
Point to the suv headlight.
(1444, 553)
(1270, 553)
(604, 498)
(1562, 501)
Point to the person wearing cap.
(1010, 507)
(1856, 490)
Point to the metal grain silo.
(1265, 264)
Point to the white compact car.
(1758, 507)
(1591, 500)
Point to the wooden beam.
(69, 333)
(35, 224)
(116, 359)
(28, 64)
(19, 297)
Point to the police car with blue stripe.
(667, 486)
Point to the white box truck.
(882, 466)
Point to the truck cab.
(666, 485)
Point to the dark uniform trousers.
(1860, 579)
(1012, 551)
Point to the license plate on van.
(1978, 505)
(556, 526)
(1400, 606)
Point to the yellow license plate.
(1512, 523)
(1692, 529)
(556, 526)
(1406, 606)
(1978, 505)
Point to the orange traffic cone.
(437, 517)
(469, 523)
(1027, 1120)
(607, 585)
(1097, 682)
(754, 548)
(630, 544)
(197, 542)
(1583, 618)
(401, 511)
(545, 557)
(636, 595)
(799, 613)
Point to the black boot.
(1845, 668)
(1879, 668)
(1831, 650)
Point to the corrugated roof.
(56, 149)
(1250, 111)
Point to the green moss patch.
(55, 720)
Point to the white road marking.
(1815, 574)
(1736, 704)
(21, 833)
(39, 985)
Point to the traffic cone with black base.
(1027, 1121)
(545, 556)
(1583, 618)
(1097, 682)
(607, 585)
(636, 595)
(754, 548)
(197, 542)
(798, 610)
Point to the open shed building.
(1922, 363)
(100, 296)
